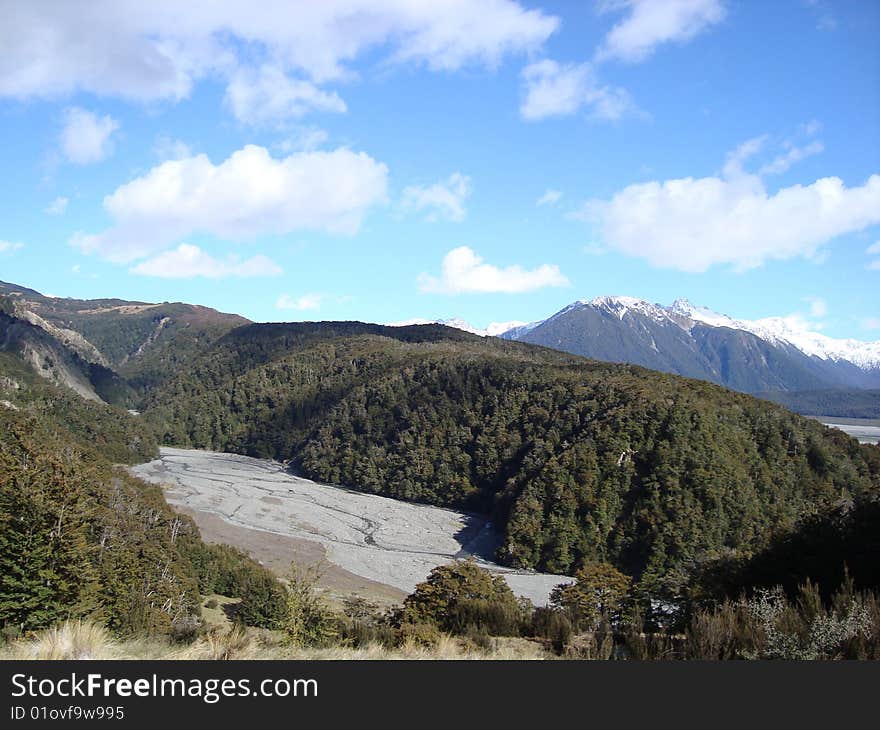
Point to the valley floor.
(370, 545)
(866, 430)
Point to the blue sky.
(490, 160)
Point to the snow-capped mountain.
(791, 331)
(494, 329)
(776, 353)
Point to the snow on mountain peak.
(702, 314)
(492, 330)
(793, 331)
(620, 305)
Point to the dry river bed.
(383, 541)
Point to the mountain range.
(116, 350)
(754, 356)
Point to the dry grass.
(84, 640)
(70, 640)
(215, 617)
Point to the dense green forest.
(80, 537)
(578, 461)
(838, 403)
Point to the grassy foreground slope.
(577, 460)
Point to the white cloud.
(188, 262)
(161, 49)
(302, 303)
(789, 155)
(57, 206)
(870, 323)
(552, 89)
(443, 199)
(463, 271)
(10, 246)
(873, 248)
(168, 148)
(86, 137)
(550, 197)
(303, 139)
(818, 306)
(733, 166)
(650, 23)
(793, 154)
(269, 96)
(247, 195)
(692, 224)
(812, 128)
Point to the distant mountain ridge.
(493, 329)
(107, 349)
(751, 356)
(116, 350)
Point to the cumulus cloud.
(269, 96)
(10, 246)
(188, 262)
(161, 49)
(86, 137)
(445, 199)
(302, 303)
(550, 197)
(247, 195)
(692, 224)
(651, 23)
(57, 206)
(463, 271)
(552, 89)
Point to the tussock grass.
(70, 640)
(85, 640)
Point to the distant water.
(866, 430)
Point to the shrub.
(425, 635)
(308, 621)
(462, 596)
(185, 630)
(600, 591)
(552, 625)
(364, 624)
(231, 572)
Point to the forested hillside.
(80, 537)
(133, 344)
(837, 403)
(577, 460)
